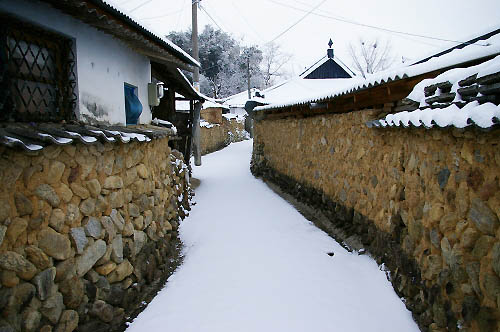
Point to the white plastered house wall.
(103, 64)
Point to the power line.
(375, 27)
(161, 16)
(216, 16)
(203, 8)
(125, 2)
(228, 27)
(142, 4)
(240, 15)
(180, 16)
(300, 20)
(344, 18)
(308, 6)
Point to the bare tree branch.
(273, 61)
(369, 57)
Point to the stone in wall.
(78, 223)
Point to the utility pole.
(196, 84)
(248, 76)
(194, 39)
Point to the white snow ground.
(253, 263)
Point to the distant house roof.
(470, 54)
(326, 74)
(239, 99)
(183, 105)
(211, 103)
(109, 18)
(328, 66)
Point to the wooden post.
(196, 133)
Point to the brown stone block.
(64, 192)
(16, 228)
(447, 222)
(106, 268)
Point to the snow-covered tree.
(371, 56)
(223, 61)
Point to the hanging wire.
(211, 18)
(162, 16)
(300, 20)
(141, 5)
(376, 27)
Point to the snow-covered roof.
(480, 49)
(205, 124)
(299, 86)
(110, 17)
(477, 37)
(240, 99)
(183, 105)
(211, 103)
(148, 29)
(460, 97)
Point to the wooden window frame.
(37, 73)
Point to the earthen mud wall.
(216, 137)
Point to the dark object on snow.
(249, 106)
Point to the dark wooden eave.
(174, 79)
(371, 97)
(364, 98)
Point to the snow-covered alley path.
(253, 263)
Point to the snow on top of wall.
(473, 112)
(468, 53)
(211, 103)
(238, 117)
(164, 123)
(205, 124)
(483, 116)
(116, 6)
(454, 76)
(230, 116)
(33, 137)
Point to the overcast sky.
(260, 21)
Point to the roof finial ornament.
(329, 51)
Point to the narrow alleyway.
(252, 263)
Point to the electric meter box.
(155, 93)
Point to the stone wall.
(212, 114)
(215, 137)
(424, 203)
(87, 232)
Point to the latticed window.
(37, 73)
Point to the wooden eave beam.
(359, 100)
